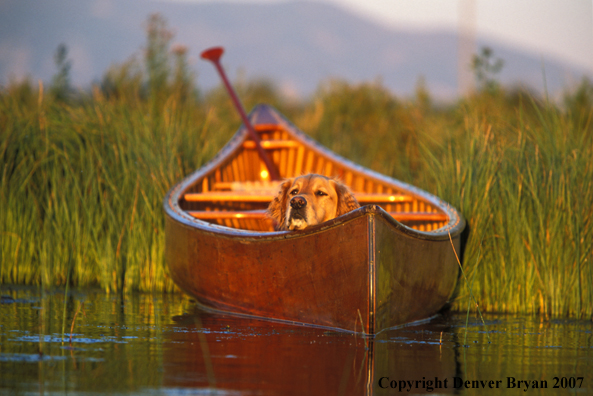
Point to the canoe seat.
(258, 194)
(262, 185)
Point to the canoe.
(388, 263)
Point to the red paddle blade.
(212, 54)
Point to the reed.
(83, 177)
(517, 168)
(83, 185)
(523, 180)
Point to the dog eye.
(320, 193)
(294, 192)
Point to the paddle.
(213, 55)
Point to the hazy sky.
(557, 32)
(561, 28)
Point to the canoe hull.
(383, 265)
(357, 273)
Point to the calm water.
(160, 344)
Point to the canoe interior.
(236, 192)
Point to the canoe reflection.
(248, 356)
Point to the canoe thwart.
(230, 196)
(231, 214)
(267, 127)
(271, 144)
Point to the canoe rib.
(389, 262)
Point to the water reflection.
(255, 355)
(144, 344)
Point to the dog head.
(308, 200)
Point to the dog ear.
(346, 200)
(277, 208)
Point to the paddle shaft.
(213, 55)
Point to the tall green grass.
(82, 188)
(524, 180)
(84, 174)
(518, 168)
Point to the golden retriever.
(308, 200)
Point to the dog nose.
(298, 202)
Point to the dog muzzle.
(297, 219)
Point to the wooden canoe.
(385, 264)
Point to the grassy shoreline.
(83, 177)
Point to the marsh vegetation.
(83, 174)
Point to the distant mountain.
(295, 44)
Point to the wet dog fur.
(308, 200)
